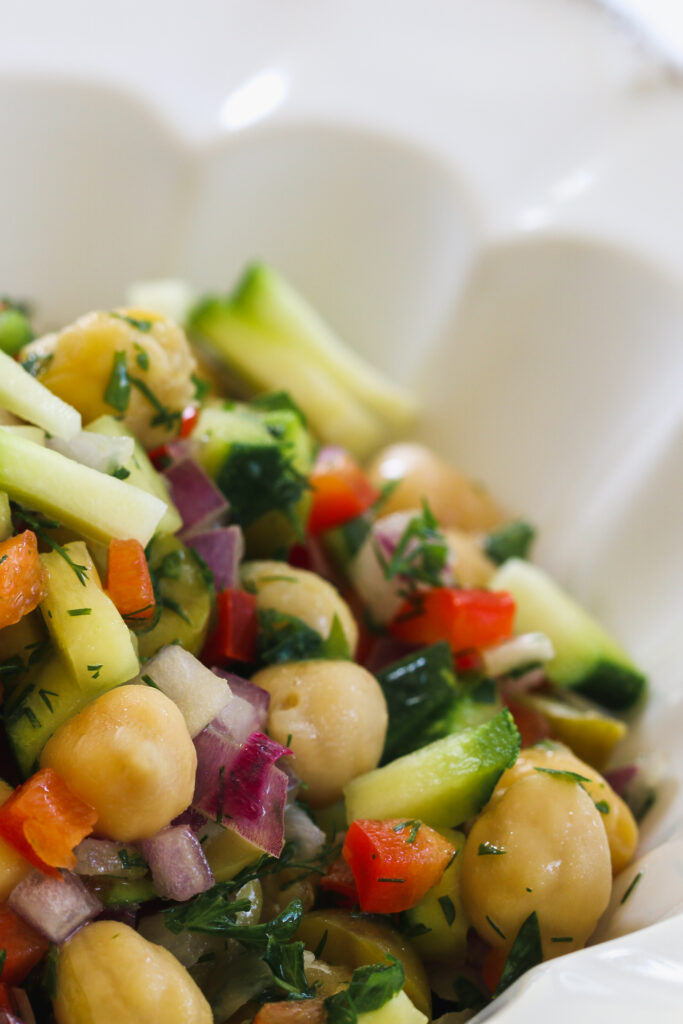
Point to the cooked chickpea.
(159, 355)
(453, 498)
(556, 862)
(301, 593)
(109, 974)
(620, 825)
(333, 716)
(128, 754)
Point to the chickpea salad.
(294, 731)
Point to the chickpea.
(109, 974)
(13, 867)
(333, 716)
(453, 498)
(159, 355)
(128, 754)
(620, 825)
(301, 593)
(556, 862)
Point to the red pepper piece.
(129, 583)
(234, 638)
(465, 618)
(341, 490)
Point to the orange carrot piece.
(129, 583)
(22, 577)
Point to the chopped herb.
(414, 827)
(171, 565)
(148, 681)
(261, 478)
(4, 559)
(285, 637)
(286, 961)
(400, 881)
(631, 887)
(37, 650)
(201, 388)
(484, 692)
(40, 525)
(562, 938)
(318, 951)
(511, 541)
(468, 995)
(45, 697)
(602, 806)
(11, 666)
(50, 972)
(495, 927)
(526, 952)
(165, 417)
(412, 931)
(141, 357)
(490, 850)
(79, 611)
(528, 889)
(170, 602)
(3, 957)
(140, 325)
(121, 473)
(206, 958)
(455, 854)
(370, 988)
(420, 555)
(563, 774)
(131, 860)
(448, 908)
(117, 391)
(95, 670)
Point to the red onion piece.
(268, 830)
(620, 778)
(255, 696)
(106, 857)
(54, 906)
(177, 862)
(195, 495)
(231, 783)
(222, 549)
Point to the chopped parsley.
(414, 827)
(563, 774)
(165, 417)
(602, 806)
(141, 357)
(631, 887)
(201, 388)
(131, 860)
(513, 540)
(525, 953)
(420, 555)
(495, 927)
(370, 988)
(121, 473)
(94, 670)
(79, 611)
(257, 479)
(40, 525)
(562, 938)
(285, 637)
(490, 850)
(140, 325)
(448, 908)
(3, 559)
(117, 391)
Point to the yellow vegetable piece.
(227, 853)
(397, 1010)
(591, 734)
(13, 867)
(442, 911)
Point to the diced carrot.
(129, 583)
(23, 946)
(22, 578)
(43, 820)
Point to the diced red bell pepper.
(43, 820)
(394, 862)
(341, 490)
(464, 618)
(188, 420)
(295, 1011)
(129, 583)
(234, 638)
(338, 879)
(22, 578)
(23, 946)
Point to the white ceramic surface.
(483, 197)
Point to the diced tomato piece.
(338, 879)
(234, 638)
(23, 945)
(296, 1011)
(43, 820)
(341, 490)
(22, 578)
(532, 724)
(188, 420)
(464, 618)
(394, 862)
(129, 583)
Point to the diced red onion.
(307, 839)
(256, 696)
(311, 555)
(107, 857)
(526, 649)
(222, 549)
(177, 862)
(383, 597)
(54, 906)
(195, 495)
(193, 818)
(236, 789)
(98, 451)
(268, 829)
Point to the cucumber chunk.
(26, 397)
(90, 503)
(442, 784)
(439, 924)
(587, 658)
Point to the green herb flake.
(602, 806)
(49, 978)
(513, 540)
(40, 525)
(370, 988)
(201, 388)
(490, 850)
(257, 479)
(121, 473)
(117, 391)
(420, 555)
(285, 637)
(495, 927)
(79, 611)
(45, 697)
(148, 681)
(165, 417)
(631, 887)
(448, 908)
(562, 938)
(414, 827)
(526, 952)
(140, 325)
(3, 559)
(130, 860)
(318, 951)
(563, 774)
(141, 357)
(398, 881)
(468, 996)
(94, 670)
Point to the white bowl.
(484, 198)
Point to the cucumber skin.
(587, 658)
(442, 784)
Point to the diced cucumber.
(141, 472)
(267, 334)
(184, 599)
(443, 783)
(84, 623)
(91, 503)
(587, 658)
(50, 699)
(219, 427)
(438, 924)
(397, 1010)
(23, 395)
